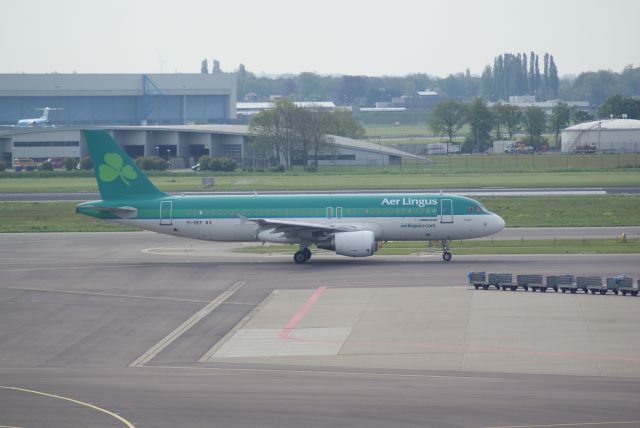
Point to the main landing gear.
(446, 255)
(302, 256)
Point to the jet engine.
(353, 244)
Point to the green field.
(530, 246)
(398, 130)
(544, 211)
(343, 179)
(416, 140)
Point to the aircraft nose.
(498, 223)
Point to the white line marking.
(185, 326)
(326, 373)
(82, 403)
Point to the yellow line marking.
(580, 424)
(182, 328)
(8, 426)
(60, 397)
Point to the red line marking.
(284, 333)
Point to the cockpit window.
(477, 209)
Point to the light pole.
(158, 151)
(169, 157)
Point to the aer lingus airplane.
(349, 224)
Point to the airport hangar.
(181, 144)
(177, 116)
(119, 99)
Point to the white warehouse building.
(609, 135)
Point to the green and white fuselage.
(349, 224)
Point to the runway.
(200, 336)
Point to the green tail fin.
(118, 176)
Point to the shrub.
(86, 163)
(215, 164)
(278, 168)
(69, 163)
(312, 167)
(46, 166)
(228, 164)
(2, 166)
(152, 163)
(204, 162)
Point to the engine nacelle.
(353, 244)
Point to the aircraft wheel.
(446, 256)
(307, 253)
(299, 257)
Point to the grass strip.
(391, 179)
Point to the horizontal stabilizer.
(122, 212)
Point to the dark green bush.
(2, 166)
(152, 163)
(69, 163)
(86, 164)
(204, 162)
(215, 164)
(45, 166)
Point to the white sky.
(328, 37)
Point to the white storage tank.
(610, 135)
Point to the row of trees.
(510, 75)
(295, 135)
(503, 121)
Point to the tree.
(204, 66)
(343, 124)
(446, 118)
(511, 118)
(534, 121)
(351, 88)
(580, 116)
(480, 119)
(216, 67)
(560, 116)
(313, 126)
(274, 131)
(554, 81)
(618, 105)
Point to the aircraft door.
(166, 212)
(329, 212)
(446, 211)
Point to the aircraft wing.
(287, 225)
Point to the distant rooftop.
(614, 124)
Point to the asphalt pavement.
(130, 329)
